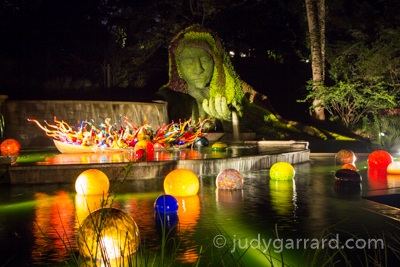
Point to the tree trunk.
(316, 27)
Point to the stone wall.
(30, 135)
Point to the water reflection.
(54, 216)
(229, 200)
(283, 197)
(85, 204)
(189, 213)
(377, 180)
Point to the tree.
(316, 27)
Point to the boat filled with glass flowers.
(92, 136)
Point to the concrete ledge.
(39, 174)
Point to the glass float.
(394, 167)
(349, 166)
(347, 176)
(146, 145)
(10, 146)
(201, 141)
(108, 233)
(379, 159)
(92, 182)
(218, 146)
(166, 204)
(229, 179)
(282, 171)
(181, 182)
(345, 156)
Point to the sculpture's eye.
(187, 61)
(205, 59)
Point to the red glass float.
(345, 156)
(10, 146)
(140, 155)
(349, 166)
(379, 159)
(345, 176)
(146, 145)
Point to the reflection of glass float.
(345, 156)
(281, 196)
(181, 182)
(347, 189)
(166, 204)
(394, 167)
(108, 234)
(218, 146)
(85, 204)
(168, 221)
(379, 159)
(349, 166)
(229, 179)
(92, 182)
(282, 171)
(10, 146)
(229, 199)
(377, 179)
(344, 176)
(146, 145)
(201, 141)
(188, 212)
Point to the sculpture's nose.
(198, 66)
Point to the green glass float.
(219, 146)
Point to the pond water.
(296, 210)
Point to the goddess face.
(196, 66)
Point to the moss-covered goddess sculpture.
(203, 83)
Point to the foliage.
(352, 100)
(385, 132)
(369, 62)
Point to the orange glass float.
(379, 159)
(10, 146)
(145, 145)
(394, 167)
(181, 183)
(345, 156)
(349, 166)
(92, 182)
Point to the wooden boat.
(70, 148)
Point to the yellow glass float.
(282, 171)
(92, 182)
(218, 146)
(181, 183)
(394, 167)
(108, 233)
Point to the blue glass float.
(201, 141)
(166, 204)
